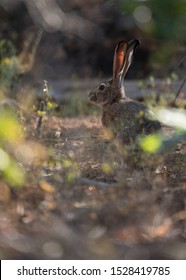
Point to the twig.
(86, 181)
(175, 189)
(179, 90)
(181, 61)
(76, 138)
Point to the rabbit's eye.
(101, 87)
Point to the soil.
(89, 199)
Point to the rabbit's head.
(113, 89)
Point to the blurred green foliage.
(10, 136)
(164, 22)
(7, 63)
(77, 107)
(151, 143)
(170, 19)
(162, 19)
(175, 118)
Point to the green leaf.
(150, 143)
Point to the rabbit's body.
(125, 117)
(117, 118)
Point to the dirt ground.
(89, 200)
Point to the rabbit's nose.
(92, 96)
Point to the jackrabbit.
(126, 118)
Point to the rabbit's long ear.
(132, 45)
(119, 61)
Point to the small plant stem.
(42, 105)
(40, 119)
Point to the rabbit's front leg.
(124, 136)
(127, 135)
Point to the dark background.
(80, 36)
